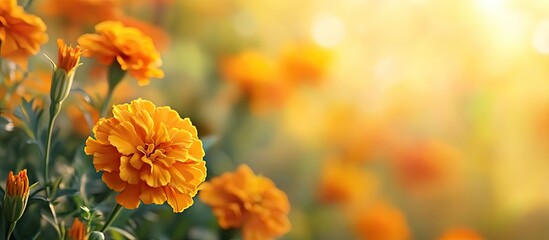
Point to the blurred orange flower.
(71, 10)
(382, 222)
(256, 75)
(148, 153)
(460, 234)
(75, 112)
(426, 165)
(305, 62)
(343, 182)
(21, 33)
(34, 85)
(134, 51)
(78, 230)
(244, 200)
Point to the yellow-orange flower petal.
(21, 33)
(148, 154)
(244, 200)
(133, 50)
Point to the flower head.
(244, 200)
(78, 230)
(148, 153)
(128, 46)
(17, 195)
(21, 33)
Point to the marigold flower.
(460, 234)
(382, 222)
(253, 203)
(78, 230)
(148, 153)
(17, 195)
(426, 166)
(134, 51)
(21, 33)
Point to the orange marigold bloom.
(382, 222)
(148, 153)
(254, 203)
(460, 234)
(21, 33)
(78, 230)
(133, 50)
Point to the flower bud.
(78, 230)
(95, 235)
(63, 73)
(17, 195)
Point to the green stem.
(55, 108)
(106, 103)
(54, 216)
(54, 111)
(10, 229)
(117, 209)
(114, 76)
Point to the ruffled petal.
(178, 201)
(152, 195)
(127, 172)
(113, 181)
(129, 198)
(125, 139)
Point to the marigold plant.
(244, 200)
(128, 46)
(21, 33)
(148, 154)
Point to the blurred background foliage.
(411, 117)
